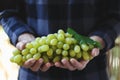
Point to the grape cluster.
(53, 48)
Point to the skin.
(71, 65)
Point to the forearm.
(13, 26)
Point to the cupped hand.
(74, 64)
(36, 65)
(33, 64)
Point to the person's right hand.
(33, 64)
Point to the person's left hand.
(73, 64)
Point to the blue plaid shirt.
(41, 17)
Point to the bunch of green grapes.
(53, 48)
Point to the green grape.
(65, 57)
(56, 59)
(61, 37)
(78, 55)
(53, 42)
(43, 48)
(24, 58)
(42, 41)
(68, 35)
(45, 58)
(48, 41)
(28, 56)
(85, 55)
(12, 59)
(29, 45)
(60, 31)
(74, 41)
(37, 39)
(72, 53)
(60, 44)
(20, 63)
(91, 46)
(16, 52)
(58, 51)
(64, 53)
(33, 50)
(84, 47)
(68, 41)
(54, 47)
(51, 36)
(49, 52)
(18, 58)
(35, 44)
(77, 48)
(66, 46)
(56, 34)
(36, 56)
(25, 51)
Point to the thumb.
(95, 52)
(20, 45)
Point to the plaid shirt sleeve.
(12, 25)
(110, 28)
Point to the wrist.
(98, 39)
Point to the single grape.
(78, 55)
(29, 45)
(18, 58)
(37, 39)
(65, 57)
(84, 47)
(12, 59)
(53, 42)
(56, 59)
(36, 56)
(68, 41)
(60, 44)
(28, 56)
(68, 35)
(33, 50)
(24, 58)
(72, 53)
(51, 36)
(16, 52)
(45, 58)
(61, 37)
(49, 52)
(77, 48)
(60, 31)
(66, 46)
(43, 48)
(42, 41)
(64, 53)
(85, 55)
(35, 44)
(58, 51)
(25, 51)
(74, 41)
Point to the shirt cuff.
(109, 42)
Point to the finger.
(67, 64)
(20, 45)
(45, 67)
(79, 65)
(37, 65)
(29, 63)
(95, 52)
(59, 64)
